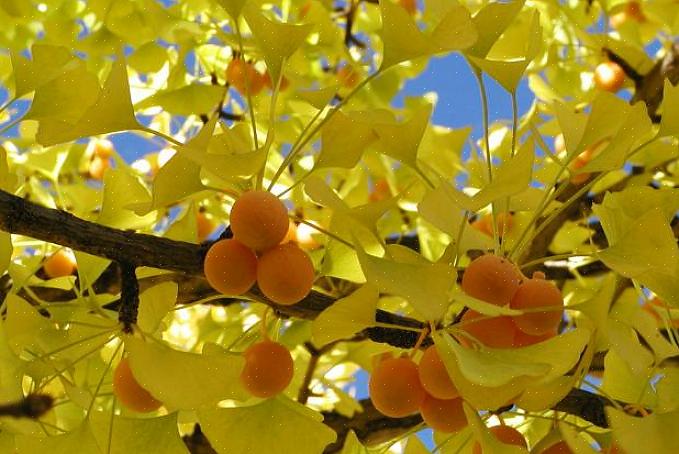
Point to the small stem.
(305, 390)
(162, 135)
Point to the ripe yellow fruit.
(98, 167)
(243, 76)
(443, 415)
(409, 5)
(492, 279)
(609, 76)
(631, 12)
(259, 220)
(230, 267)
(495, 332)
(347, 77)
(434, 376)
(204, 226)
(268, 369)
(285, 274)
(103, 148)
(395, 387)
(61, 263)
(503, 221)
(130, 393)
(534, 294)
(558, 448)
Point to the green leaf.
(277, 41)
(401, 140)
(132, 435)
(193, 99)
(647, 252)
(48, 63)
(404, 41)
(343, 140)
(491, 22)
(352, 445)
(154, 304)
(669, 123)
(346, 316)
(183, 380)
(80, 440)
(544, 361)
(424, 285)
(275, 425)
(12, 371)
(111, 112)
(489, 443)
(577, 443)
(233, 7)
(121, 189)
(180, 176)
(22, 323)
(656, 432)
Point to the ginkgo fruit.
(268, 83)
(395, 387)
(102, 148)
(504, 221)
(492, 279)
(259, 220)
(244, 77)
(204, 226)
(434, 376)
(409, 5)
(559, 143)
(304, 236)
(443, 415)
(505, 434)
(347, 76)
(535, 294)
(98, 167)
(129, 392)
(268, 369)
(560, 447)
(61, 263)
(609, 76)
(631, 12)
(380, 191)
(579, 162)
(494, 332)
(285, 274)
(230, 267)
(522, 339)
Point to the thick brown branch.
(129, 297)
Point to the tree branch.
(32, 406)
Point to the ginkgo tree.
(512, 290)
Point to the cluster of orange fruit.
(497, 281)
(400, 387)
(257, 253)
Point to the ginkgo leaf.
(656, 432)
(188, 100)
(509, 71)
(48, 62)
(295, 428)
(401, 140)
(488, 442)
(66, 97)
(620, 382)
(180, 176)
(352, 445)
(544, 396)
(90, 267)
(183, 380)
(80, 440)
(491, 22)
(111, 112)
(424, 286)
(346, 316)
(404, 41)
(576, 443)
(154, 304)
(277, 41)
(481, 397)
(12, 372)
(483, 307)
(233, 7)
(648, 253)
(122, 188)
(22, 323)
(129, 435)
(544, 361)
(343, 140)
(669, 123)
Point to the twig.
(129, 297)
(32, 406)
